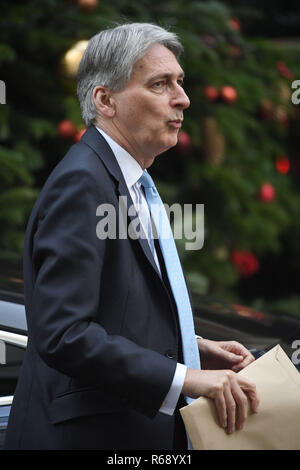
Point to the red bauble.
(210, 40)
(229, 94)
(235, 24)
(184, 141)
(282, 164)
(266, 109)
(211, 92)
(245, 262)
(267, 193)
(284, 70)
(87, 5)
(281, 116)
(66, 129)
(79, 134)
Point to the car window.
(12, 350)
(11, 358)
(4, 414)
(12, 316)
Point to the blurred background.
(238, 153)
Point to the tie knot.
(146, 180)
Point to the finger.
(221, 409)
(254, 401)
(250, 389)
(241, 405)
(247, 360)
(237, 367)
(232, 357)
(241, 350)
(231, 408)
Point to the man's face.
(149, 110)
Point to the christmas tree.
(238, 153)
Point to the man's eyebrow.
(164, 75)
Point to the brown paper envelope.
(275, 426)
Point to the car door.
(13, 342)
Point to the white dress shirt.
(132, 171)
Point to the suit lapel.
(96, 141)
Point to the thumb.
(235, 358)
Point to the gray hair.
(111, 55)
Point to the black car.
(216, 320)
(13, 341)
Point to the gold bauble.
(87, 5)
(285, 93)
(72, 58)
(221, 253)
(213, 142)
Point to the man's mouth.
(177, 123)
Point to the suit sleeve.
(68, 261)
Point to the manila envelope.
(275, 426)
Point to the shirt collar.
(130, 168)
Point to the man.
(104, 364)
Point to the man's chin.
(173, 140)
(167, 145)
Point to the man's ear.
(104, 101)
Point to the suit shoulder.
(79, 158)
(82, 163)
(80, 168)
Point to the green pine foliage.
(234, 145)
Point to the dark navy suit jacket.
(103, 334)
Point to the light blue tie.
(174, 271)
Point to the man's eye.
(158, 84)
(180, 82)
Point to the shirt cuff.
(170, 402)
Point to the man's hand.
(223, 355)
(229, 391)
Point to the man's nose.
(180, 98)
